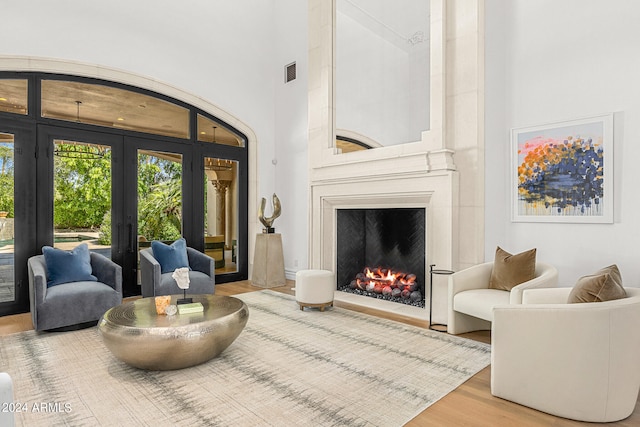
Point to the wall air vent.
(289, 72)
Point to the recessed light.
(120, 119)
(3, 99)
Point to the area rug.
(287, 368)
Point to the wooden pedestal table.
(140, 337)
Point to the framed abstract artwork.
(563, 172)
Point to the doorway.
(118, 193)
(17, 236)
(113, 166)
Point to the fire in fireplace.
(387, 284)
(381, 253)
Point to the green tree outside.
(82, 194)
(82, 190)
(159, 198)
(6, 178)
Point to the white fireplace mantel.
(436, 192)
(417, 174)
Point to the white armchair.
(578, 361)
(471, 302)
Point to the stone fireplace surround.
(435, 191)
(416, 174)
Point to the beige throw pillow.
(604, 285)
(511, 270)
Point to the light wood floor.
(470, 405)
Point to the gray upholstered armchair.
(202, 276)
(73, 303)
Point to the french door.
(157, 205)
(17, 214)
(221, 211)
(71, 173)
(80, 191)
(114, 192)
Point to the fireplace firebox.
(381, 253)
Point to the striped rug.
(287, 368)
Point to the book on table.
(194, 307)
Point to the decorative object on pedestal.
(268, 221)
(268, 259)
(181, 276)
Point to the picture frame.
(563, 171)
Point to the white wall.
(291, 137)
(549, 61)
(220, 50)
(545, 61)
(231, 54)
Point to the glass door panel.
(7, 234)
(159, 202)
(17, 215)
(82, 195)
(221, 213)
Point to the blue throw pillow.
(68, 266)
(170, 256)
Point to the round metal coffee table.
(135, 334)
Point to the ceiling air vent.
(289, 72)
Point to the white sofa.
(578, 361)
(470, 301)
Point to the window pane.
(82, 196)
(13, 96)
(210, 131)
(113, 107)
(159, 196)
(7, 286)
(221, 213)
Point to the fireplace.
(432, 194)
(381, 253)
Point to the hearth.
(381, 253)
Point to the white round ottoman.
(314, 288)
